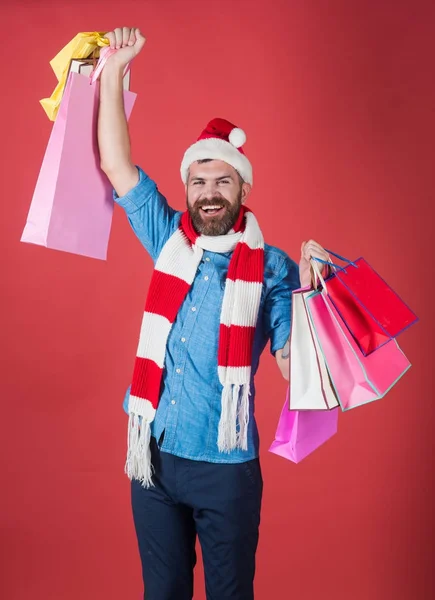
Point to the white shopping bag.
(310, 385)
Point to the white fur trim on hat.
(216, 149)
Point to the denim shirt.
(187, 417)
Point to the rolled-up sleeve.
(149, 214)
(277, 309)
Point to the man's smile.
(210, 211)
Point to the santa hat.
(220, 140)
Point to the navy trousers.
(219, 503)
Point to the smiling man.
(210, 188)
(217, 296)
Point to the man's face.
(214, 195)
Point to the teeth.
(211, 207)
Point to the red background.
(337, 98)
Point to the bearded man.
(217, 296)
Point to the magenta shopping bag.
(72, 204)
(301, 432)
(357, 379)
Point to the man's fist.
(128, 41)
(310, 250)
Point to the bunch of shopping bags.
(343, 352)
(72, 204)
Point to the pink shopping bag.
(72, 204)
(301, 432)
(357, 379)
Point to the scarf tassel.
(138, 464)
(233, 424)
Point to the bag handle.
(331, 264)
(322, 281)
(346, 260)
(105, 54)
(317, 274)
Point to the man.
(217, 296)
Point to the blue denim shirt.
(186, 421)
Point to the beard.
(219, 224)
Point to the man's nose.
(210, 189)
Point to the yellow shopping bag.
(82, 46)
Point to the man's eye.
(198, 182)
(224, 181)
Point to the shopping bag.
(72, 204)
(299, 433)
(372, 311)
(86, 66)
(81, 46)
(310, 385)
(357, 379)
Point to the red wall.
(337, 98)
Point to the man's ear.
(246, 190)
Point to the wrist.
(113, 69)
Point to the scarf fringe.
(233, 424)
(138, 464)
(243, 417)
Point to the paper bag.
(310, 385)
(72, 204)
(299, 433)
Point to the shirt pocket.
(269, 275)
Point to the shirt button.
(178, 370)
(183, 340)
(172, 401)
(193, 308)
(206, 277)
(207, 259)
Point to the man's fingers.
(314, 250)
(125, 36)
(315, 245)
(132, 37)
(140, 40)
(118, 37)
(111, 37)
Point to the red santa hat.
(220, 140)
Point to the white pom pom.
(237, 137)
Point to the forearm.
(113, 136)
(283, 362)
(283, 359)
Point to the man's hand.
(128, 41)
(311, 250)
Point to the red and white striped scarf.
(173, 275)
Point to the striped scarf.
(173, 275)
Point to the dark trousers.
(218, 502)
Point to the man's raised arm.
(113, 136)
